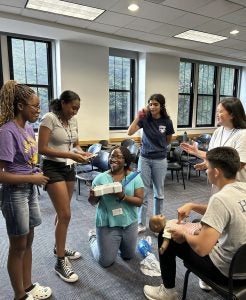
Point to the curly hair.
(66, 96)
(128, 157)
(161, 99)
(11, 94)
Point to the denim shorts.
(20, 208)
(58, 171)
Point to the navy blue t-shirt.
(154, 139)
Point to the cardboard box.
(108, 188)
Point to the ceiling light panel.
(201, 37)
(65, 8)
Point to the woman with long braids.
(116, 215)
(58, 143)
(19, 176)
(157, 134)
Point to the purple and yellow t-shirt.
(18, 148)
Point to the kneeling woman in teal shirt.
(116, 215)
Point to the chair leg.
(188, 171)
(77, 188)
(187, 273)
(38, 190)
(183, 178)
(177, 175)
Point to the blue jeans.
(109, 240)
(153, 173)
(20, 208)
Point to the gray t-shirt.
(226, 213)
(61, 138)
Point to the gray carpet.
(123, 280)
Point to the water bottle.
(185, 137)
(144, 247)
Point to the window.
(206, 95)
(30, 62)
(121, 91)
(228, 82)
(201, 86)
(185, 94)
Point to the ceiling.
(150, 29)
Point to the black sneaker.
(70, 253)
(63, 268)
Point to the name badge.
(117, 211)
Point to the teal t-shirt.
(109, 203)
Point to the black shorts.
(58, 171)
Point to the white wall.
(162, 76)
(84, 69)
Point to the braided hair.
(11, 94)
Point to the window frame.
(133, 71)
(235, 83)
(48, 43)
(216, 91)
(213, 95)
(191, 94)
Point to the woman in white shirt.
(231, 133)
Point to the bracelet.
(122, 198)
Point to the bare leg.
(27, 263)
(17, 249)
(60, 194)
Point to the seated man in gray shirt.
(221, 234)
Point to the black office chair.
(176, 164)
(190, 161)
(101, 163)
(88, 167)
(105, 144)
(127, 142)
(236, 287)
(135, 151)
(203, 141)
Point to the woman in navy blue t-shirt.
(157, 134)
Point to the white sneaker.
(159, 293)
(141, 228)
(29, 297)
(204, 286)
(40, 292)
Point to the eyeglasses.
(117, 156)
(35, 106)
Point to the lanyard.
(69, 133)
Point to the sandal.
(40, 292)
